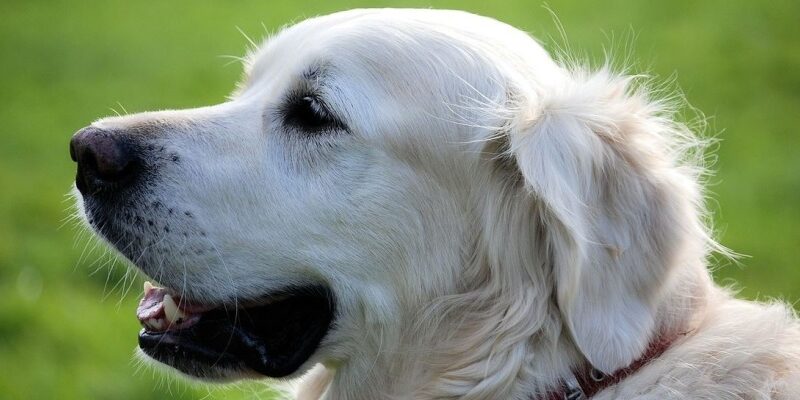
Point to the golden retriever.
(424, 204)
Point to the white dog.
(429, 206)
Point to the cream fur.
(492, 218)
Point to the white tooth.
(152, 324)
(171, 310)
(148, 287)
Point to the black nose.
(106, 160)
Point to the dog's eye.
(310, 115)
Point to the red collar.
(591, 381)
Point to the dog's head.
(373, 163)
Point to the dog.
(425, 204)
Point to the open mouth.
(271, 336)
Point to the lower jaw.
(273, 340)
(194, 362)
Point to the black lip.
(272, 340)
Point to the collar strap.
(587, 381)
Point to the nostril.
(88, 161)
(103, 158)
(108, 156)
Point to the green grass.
(68, 333)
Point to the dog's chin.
(272, 336)
(197, 371)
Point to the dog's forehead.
(384, 43)
(294, 43)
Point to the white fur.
(491, 219)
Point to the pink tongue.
(152, 313)
(152, 304)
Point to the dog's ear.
(619, 211)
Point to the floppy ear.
(617, 210)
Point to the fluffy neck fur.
(487, 342)
(502, 335)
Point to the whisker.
(122, 107)
(233, 290)
(252, 43)
(233, 59)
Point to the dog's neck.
(501, 335)
(587, 381)
(466, 356)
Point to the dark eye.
(308, 114)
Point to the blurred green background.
(67, 326)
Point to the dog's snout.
(105, 160)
